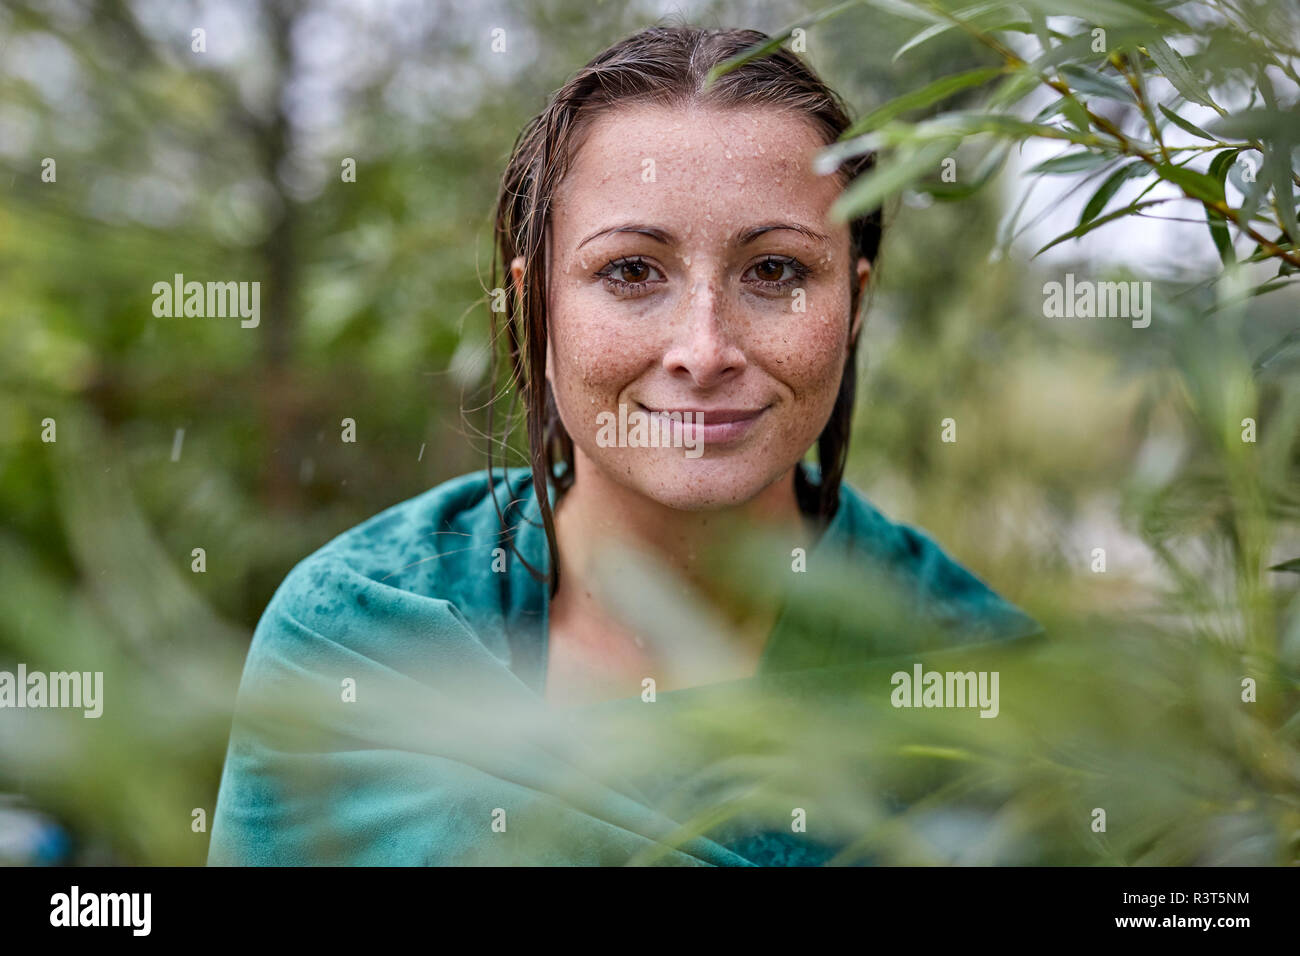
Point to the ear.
(517, 276)
(863, 277)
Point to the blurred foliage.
(1073, 435)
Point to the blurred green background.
(225, 164)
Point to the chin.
(701, 484)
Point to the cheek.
(808, 355)
(595, 354)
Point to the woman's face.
(692, 270)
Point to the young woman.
(682, 320)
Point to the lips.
(711, 416)
(709, 426)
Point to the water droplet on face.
(686, 260)
(727, 154)
(741, 179)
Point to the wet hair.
(665, 66)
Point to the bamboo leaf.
(1292, 565)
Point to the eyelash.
(800, 271)
(622, 287)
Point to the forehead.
(696, 165)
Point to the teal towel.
(390, 711)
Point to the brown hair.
(666, 65)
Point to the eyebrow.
(749, 235)
(742, 238)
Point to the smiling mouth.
(710, 416)
(707, 426)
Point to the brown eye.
(635, 271)
(630, 277)
(775, 274)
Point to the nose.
(704, 345)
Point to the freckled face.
(693, 270)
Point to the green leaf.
(1078, 48)
(940, 89)
(1252, 191)
(1050, 110)
(1087, 227)
(1096, 84)
(1108, 189)
(965, 15)
(952, 192)
(1292, 565)
(1259, 124)
(1277, 170)
(938, 29)
(1194, 183)
(1270, 355)
(1218, 223)
(1185, 125)
(954, 124)
(905, 9)
(1000, 124)
(1071, 163)
(1019, 84)
(1076, 114)
(1178, 73)
(763, 49)
(1116, 12)
(1221, 163)
(890, 177)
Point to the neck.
(597, 511)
